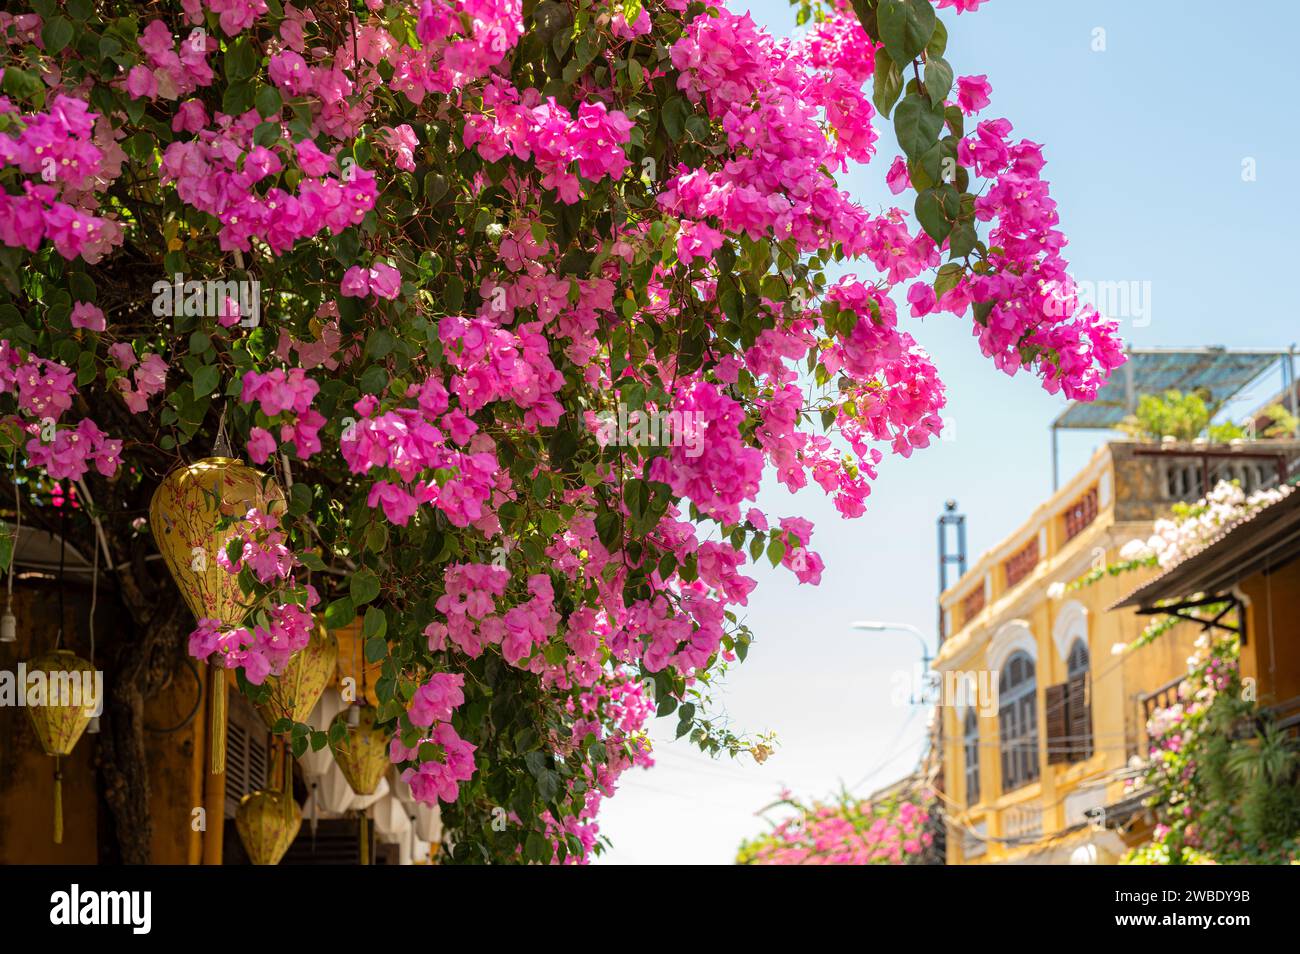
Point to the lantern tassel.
(58, 803)
(365, 841)
(218, 720)
(288, 781)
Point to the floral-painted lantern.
(59, 721)
(184, 515)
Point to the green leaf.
(905, 27)
(674, 116)
(81, 286)
(947, 278)
(380, 344)
(206, 379)
(238, 98)
(955, 120)
(888, 84)
(363, 587)
(938, 40)
(339, 613)
(537, 848)
(548, 786)
(241, 59)
(310, 558)
(268, 101)
(962, 239)
(300, 497)
(938, 79)
(56, 34)
(23, 85)
(936, 209)
(435, 187)
(917, 124)
(376, 623)
(376, 649)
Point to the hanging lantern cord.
(58, 802)
(221, 445)
(94, 595)
(63, 552)
(8, 627)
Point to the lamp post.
(877, 626)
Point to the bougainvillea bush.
(1223, 779)
(847, 831)
(413, 259)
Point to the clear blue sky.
(1145, 143)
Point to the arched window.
(1077, 664)
(1018, 721)
(1080, 708)
(971, 736)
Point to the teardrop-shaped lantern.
(428, 821)
(333, 794)
(295, 692)
(183, 516)
(361, 803)
(62, 713)
(316, 764)
(267, 822)
(60, 721)
(392, 823)
(362, 750)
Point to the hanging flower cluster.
(279, 626)
(433, 256)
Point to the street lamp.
(876, 626)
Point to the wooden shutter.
(1080, 717)
(248, 754)
(1057, 699)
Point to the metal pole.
(1292, 400)
(1056, 467)
(961, 544)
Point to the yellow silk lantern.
(184, 515)
(62, 714)
(295, 692)
(362, 752)
(267, 822)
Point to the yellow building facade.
(1037, 749)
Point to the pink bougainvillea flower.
(87, 316)
(973, 93)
